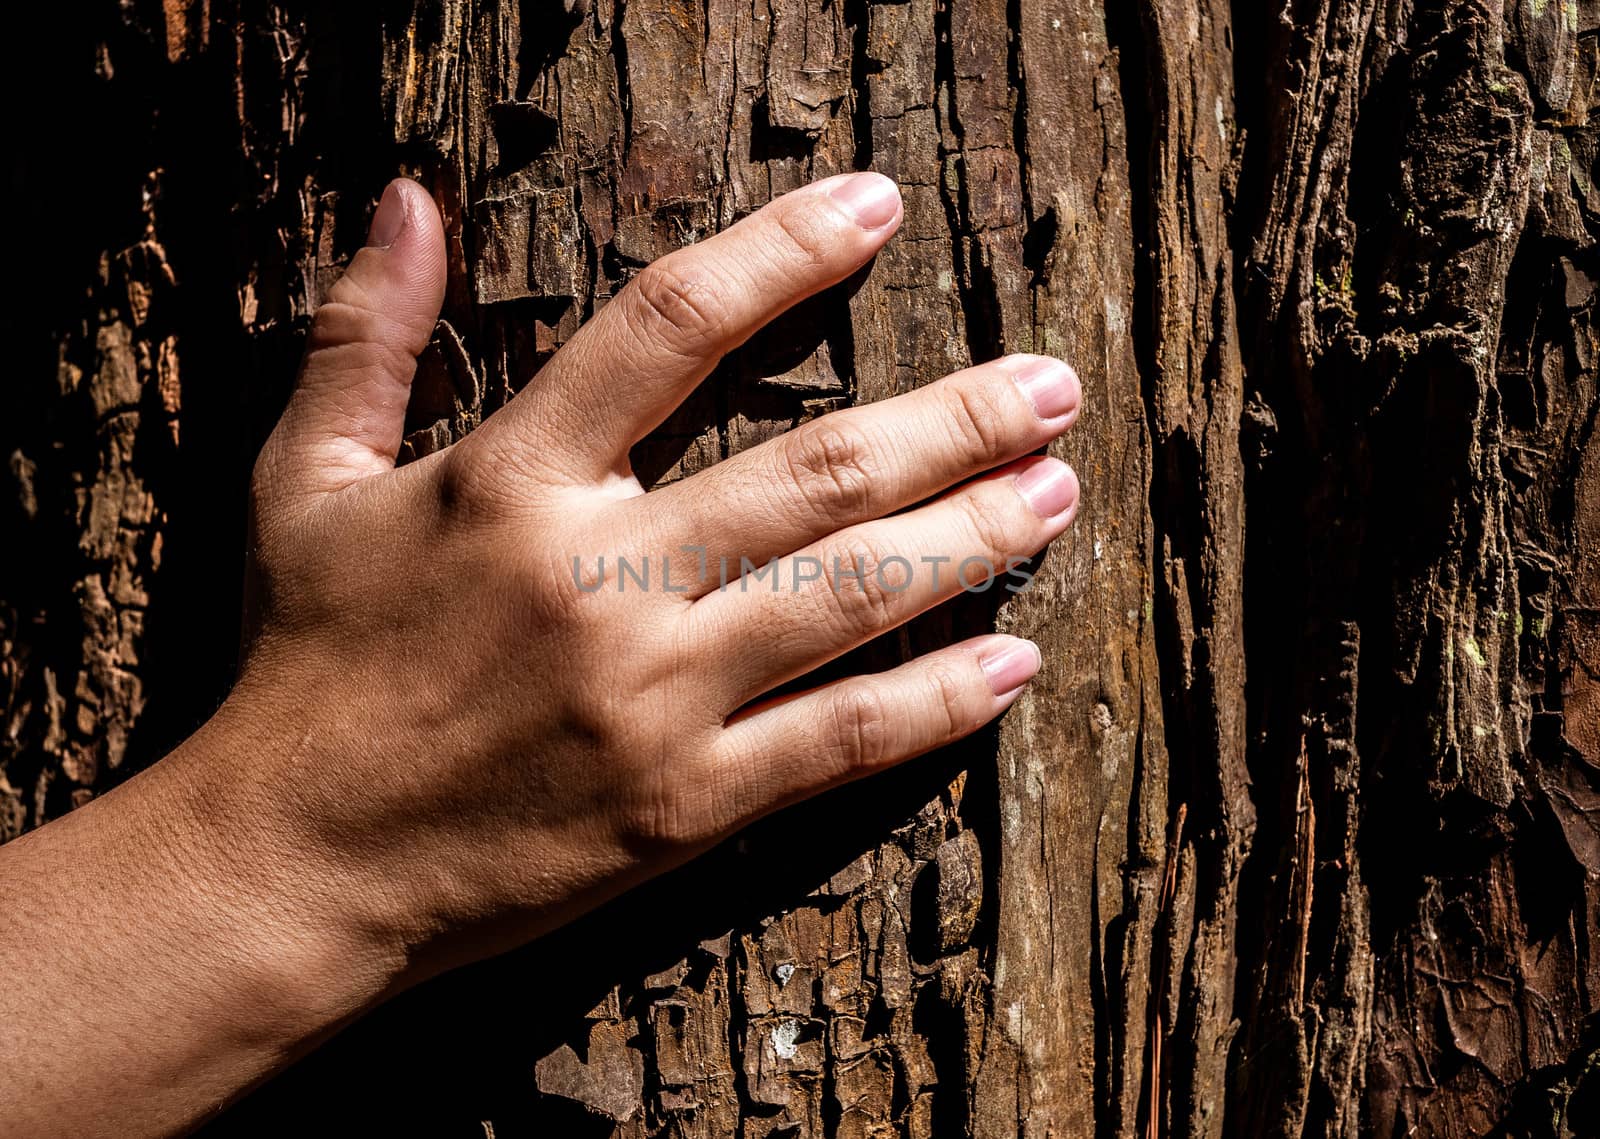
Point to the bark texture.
(1299, 832)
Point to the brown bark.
(1296, 835)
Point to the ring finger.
(799, 611)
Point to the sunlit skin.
(440, 745)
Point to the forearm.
(176, 951)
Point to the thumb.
(346, 417)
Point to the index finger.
(628, 368)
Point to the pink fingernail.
(871, 200)
(1050, 386)
(390, 219)
(1009, 664)
(1048, 486)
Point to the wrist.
(178, 947)
(312, 936)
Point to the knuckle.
(348, 322)
(346, 315)
(668, 816)
(600, 570)
(657, 823)
(831, 470)
(950, 690)
(978, 423)
(808, 235)
(569, 589)
(641, 793)
(733, 796)
(991, 520)
(678, 303)
(861, 730)
(861, 587)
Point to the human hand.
(478, 741)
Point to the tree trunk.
(1298, 833)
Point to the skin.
(441, 744)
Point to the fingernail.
(1050, 386)
(1049, 486)
(1010, 664)
(389, 220)
(871, 200)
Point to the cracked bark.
(1295, 836)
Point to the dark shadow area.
(75, 169)
(771, 142)
(522, 132)
(547, 27)
(222, 217)
(1562, 1100)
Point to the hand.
(483, 742)
(444, 739)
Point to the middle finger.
(858, 464)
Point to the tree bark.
(1298, 833)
